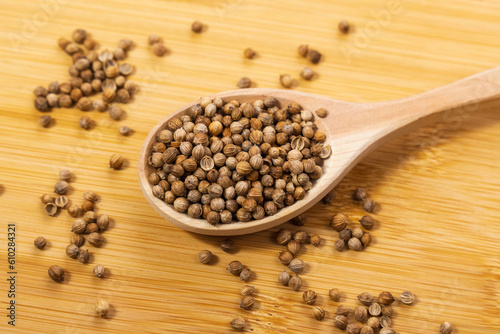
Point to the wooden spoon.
(353, 130)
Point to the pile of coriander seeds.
(227, 161)
(91, 73)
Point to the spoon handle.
(450, 103)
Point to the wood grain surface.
(438, 188)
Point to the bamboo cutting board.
(438, 188)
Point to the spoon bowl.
(353, 130)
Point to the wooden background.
(438, 188)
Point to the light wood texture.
(354, 130)
(438, 187)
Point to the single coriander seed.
(407, 297)
(65, 175)
(246, 274)
(197, 27)
(367, 222)
(61, 187)
(307, 73)
(368, 204)
(446, 328)
(309, 296)
(56, 273)
(385, 298)
(205, 256)
(340, 322)
(244, 83)
(295, 283)
(116, 161)
(322, 112)
(286, 80)
(51, 209)
(352, 329)
(344, 26)
(315, 240)
(385, 321)
(77, 240)
(249, 53)
(297, 265)
(365, 298)
(227, 245)
(343, 310)
(247, 302)
(72, 251)
(95, 239)
(84, 256)
(45, 121)
(102, 308)
(40, 242)
(334, 294)
(284, 278)
(360, 314)
(238, 324)
(99, 271)
(318, 313)
(124, 130)
(235, 267)
(247, 290)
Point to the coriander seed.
(74, 210)
(365, 298)
(249, 53)
(61, 187)
(366, 330)
(296, 265)
(318, 313)
(47, 199)
(62, 201)
(285, 257)
(45, 121)
(247, 290)
(407, 297)
(338, 222)
(344, 26)
(345, 234)
(79, 226)
(387, 330)
(360, 314)
(57, 274)
(72, 251)
(40, 242)
(238, 324)
(334, 294)
(284, 278)
(314, 56)
(77, 240)
(244, 83)
(340, 322)
(343, 310)
(366, 239)
(309, 296)
(322, 112)
(85, 122)
(283, 236)
(235, 267)
(153, 38)
(197, 27)
(373, 322)
(286, 80)
(293, 246)
(303, 49)
(51, 209)
(355, 244)
(375, 309)
(159, 49)
(102, 308)
(246, 274)
(205, 256)
(367, 222)
(368, 204)
(247, 302)
(41, 104)
(339, 245)
(124, 130)
(301, 236)
(227, 245)
(91, 228)
(84, 256)
(99, 271)
(79, 35)
(307, 73)
(385, 298)
(387, 311)
(357, 232)
(95, 239)
(385, 321)
(295, 283)
(116, 161)
(446, 328)
(300, 220)
(315, 240)
(352, 329)
(65, 175)
(360, 194)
